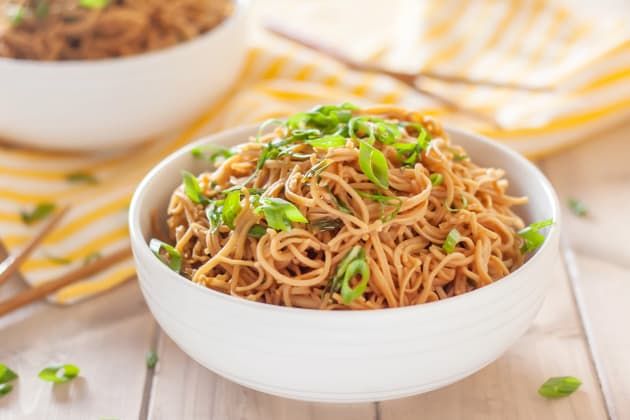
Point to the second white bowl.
(345, 356)
(100, 104)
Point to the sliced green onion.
(326, 223)
(41, 9)
(192, 189)
(436, 179)
(15, 13)
(358, 266)
(257, 231)
(532, 238)
(58, 260)
(386, 133)
(173, 259)
(317, 169)
(6, 374)
(80, 176)
(458, 157)
(451, 241)
(212, 152)
(352, 264)
(266, 124)
(384, 199)
(560, 386)
(93, 4)
(360, 128)
(214, 213)
(40, 211)
(151, 359)
(59, 373)
(5, 389)
(279, 213)
(338, 202)
(373, 164)
(577, 207)
(91, 257)
(328, 142)
(231, 208)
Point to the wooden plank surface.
(598, 173)
(183, 389)
(106, 337)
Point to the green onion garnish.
(326, 223)
(212, 152)
(192, 189)
(257, 231)
(560, 386)
(338, 202)
(451, 241)
(173, 259)
(231, 208)
(532, 238)
(93, 4)
(458, 158)
(15, 13)
(577, 207)
(5, 389)
(373, 164)
(6, 374)
(58, 260)
(80, 176)
(384, 199)
(279, 213)
(41, 9)
(328, 142)
(352, 264)
(151, 359)
(40, 211)
(214, 213)
(436, 179)
(59, 373)
(317, 169)
(91, 257)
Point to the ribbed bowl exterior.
(344, 356)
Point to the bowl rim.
(142, 252)
(240, 7)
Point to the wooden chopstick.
(39, 292)
(408, 79)
(13, 262)
(282, 31)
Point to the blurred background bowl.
(109, 103)
(345, 356)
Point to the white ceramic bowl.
(100, 104)
(345, 356)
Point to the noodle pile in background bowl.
(344, 208)
(93, 29)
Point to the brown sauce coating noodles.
(66, 30)
(402, 238)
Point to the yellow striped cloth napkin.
(587, 61)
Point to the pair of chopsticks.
(410, 79)
(11, 264)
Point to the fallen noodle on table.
(345, 208)
(94, 29)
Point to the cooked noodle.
(74, 30)
(402, 237)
